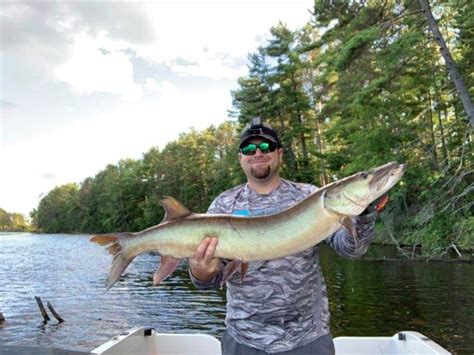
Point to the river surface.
(378, 295)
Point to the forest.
(361, 84)
(13, 222)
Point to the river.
(378, 295)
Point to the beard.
(260, 173)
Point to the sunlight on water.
(373, 297)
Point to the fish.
(242, 239)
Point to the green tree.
(58, 210)
(13, 222)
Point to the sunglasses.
(251, 148)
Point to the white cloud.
(151, 84)
(91, 70)
(213, 34)
(212, 68)
(54, 137)
(165, 87)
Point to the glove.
(365, 222)
(381, 202)
(377, 206)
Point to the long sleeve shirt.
(282, 303)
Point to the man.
(281, 306)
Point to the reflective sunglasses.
(265, 147)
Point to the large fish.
(244, 239)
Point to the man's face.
(260, 166)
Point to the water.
(372, 296)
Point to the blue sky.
(85, 84)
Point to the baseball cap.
(257, 128)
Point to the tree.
(58, 210)
(453, 71)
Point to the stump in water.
(55, 314)
(42, 309)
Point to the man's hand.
(204, 266)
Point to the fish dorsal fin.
(173, 209)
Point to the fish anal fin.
(173, 209)
(167, 265)
(230, 270)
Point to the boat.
(145, 341)
(405, 342)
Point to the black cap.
(257, 128)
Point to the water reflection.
(367, 297)
(383, 297)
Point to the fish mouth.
(386, 176)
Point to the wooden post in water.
(42, 309)
(55, 314)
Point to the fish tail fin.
(119, 260)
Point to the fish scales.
(239, 237)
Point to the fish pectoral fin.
(173, 209)
(230, 270)
(348, 225)
(167, 265)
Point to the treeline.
(126, 196)
(360, 85)
(13, 222)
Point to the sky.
(85, 84)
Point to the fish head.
(352, 195)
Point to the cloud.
(120, 20)
(48, 35)
(93, 69)
(202, 39)
(183, 62)
(211, 39)
(161, 88)
(28, 30)
(47, 176)
(33, 23)
(6, 106)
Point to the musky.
(85, 84)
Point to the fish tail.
(119, 260)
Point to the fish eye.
(364, 175)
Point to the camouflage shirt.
(281, 304)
